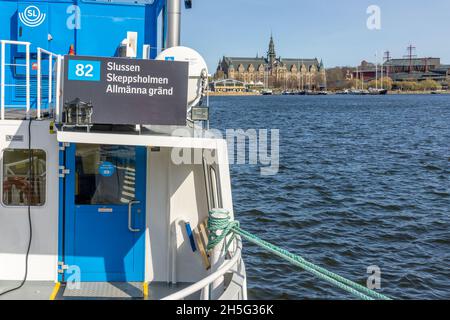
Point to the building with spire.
(273, 71)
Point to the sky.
(334, 30)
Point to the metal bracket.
(63, 171)
(62, 267)
(63, 146)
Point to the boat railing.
(204, 285)
(3, 84)
(53, 96)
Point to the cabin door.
(105, 212)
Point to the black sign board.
(128, 91)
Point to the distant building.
(416, 69)
(228, 85)
(273, 71)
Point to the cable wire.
(30, 224)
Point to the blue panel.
(33, 25)
(8, 20)
(111, 26)
(62, 27)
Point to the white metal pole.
(146, 51)
(2, 98)
(50, 79)
(39, 83)
(28, 78)
(204, 282)
(204, 295)
(173, 23)
(357, 77)
(58, 86)
(376, 70)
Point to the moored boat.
(95, 202)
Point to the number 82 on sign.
(84, 70)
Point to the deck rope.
(222, 228)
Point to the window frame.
(2, 162)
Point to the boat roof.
(143, 140)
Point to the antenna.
(387, 58)
(411, 55)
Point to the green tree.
(407, 85)
(429, 85)
(387, 83)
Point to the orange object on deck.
(72, 50)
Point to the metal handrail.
(51, 56)
(204, 283)
(3, 44)
(40, 51)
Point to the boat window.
(105, 175)
(24, 182)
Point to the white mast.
(376, 70)
(357, 77)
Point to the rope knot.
(220, 226)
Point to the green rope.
(222, 228)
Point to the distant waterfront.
(363, 181)
(225, 94)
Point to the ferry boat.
(93, 204)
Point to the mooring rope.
(222, 228)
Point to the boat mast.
(357, 77)
(376, 70)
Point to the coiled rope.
(222, 228)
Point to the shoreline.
(252, 94)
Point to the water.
(363, 181)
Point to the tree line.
(339, 78)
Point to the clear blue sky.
(334, 30)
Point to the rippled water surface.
(363, 181)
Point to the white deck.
(174, 193)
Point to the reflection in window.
(19, 184)
(105, 174)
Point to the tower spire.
(271, 54)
